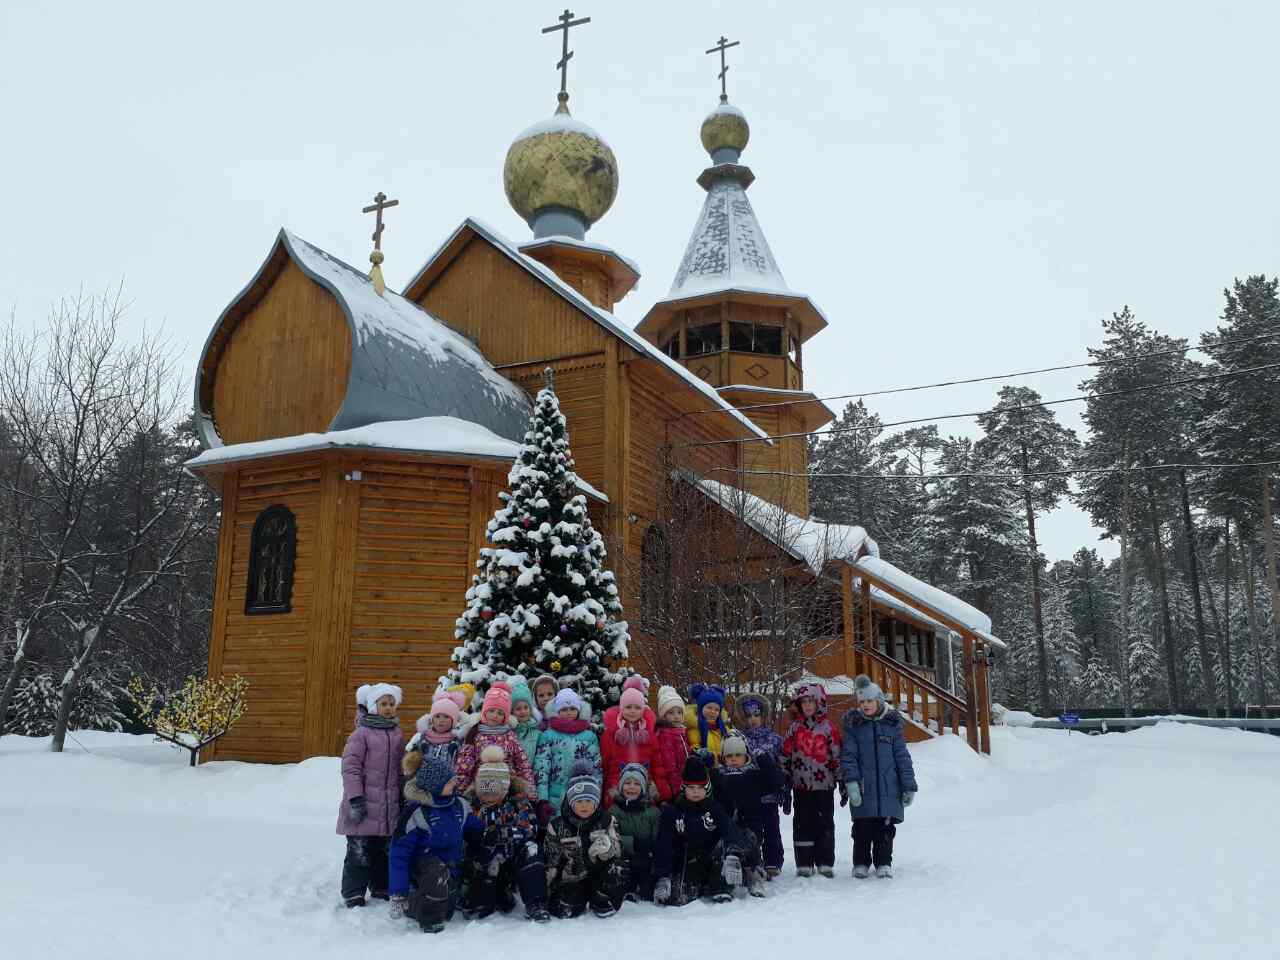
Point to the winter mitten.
(662, 890)
(359, 809)
(844, 795)
(786, 803)
(398, 905)
(600, 845)
(908, 797)
(854, 789)
(732, 870)
(495, 865)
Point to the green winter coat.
(637, 825)
(527, 733)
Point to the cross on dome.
(723, 45)
(566, 21)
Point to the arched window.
(271, 553)
(655, 579)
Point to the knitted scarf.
(375, 722)
(432, 737)
(561, 725)
(493, 729)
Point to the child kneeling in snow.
(584, 855)
(502, 846)
(427, 847)
(370, 792)
(876, 769)
(699, 850)
(741, 783)
(637, 816)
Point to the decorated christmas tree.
(542, 600)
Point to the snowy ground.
(1161, 843)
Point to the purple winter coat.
(371, 769)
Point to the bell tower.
(731, 319)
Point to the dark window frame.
(285, 544)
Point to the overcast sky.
(964, 189)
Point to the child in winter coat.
(370, 794)
(427, 847)
(876, 769)
(525, 718)
(699, 850)
(672, 747)
(741, 783)
(544, 688)
(755, 716)
(502, 847)
(437, 734)
(633, 808)
(567, 740)
(810, 762)
(584, 855)
(492, 728)
(628, 737)
(705, 719)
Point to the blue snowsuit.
(874, 754)
(428, 829)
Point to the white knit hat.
(668, 698)
(376, 691)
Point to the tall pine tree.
(543, 600)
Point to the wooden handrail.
(941, 694)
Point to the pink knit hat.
(636, 682)
(448, 705)
(499, 696)
(631, 695)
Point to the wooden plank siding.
(509, 315)
(271, 651)
(581, 386)
(284, 368)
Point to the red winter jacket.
(811, 748)
(621, 744)
(669, 758)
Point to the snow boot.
(354, 902)
(602, 906)
(755, 885)
(827, 871)
(722, 896)
(432, 926)
(885, 872)
(537, 913)
(861, 872)
(804, 871)
(772, 873)
(396, 912)
(381, 895)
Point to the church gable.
(280, 360)
(501, 306)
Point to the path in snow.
(1155, 844)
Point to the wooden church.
(359, 437)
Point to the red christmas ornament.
(527, 523)
(486, 614)
(600, 625)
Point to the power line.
(926, 477)
(1019, 406)
(986, 379)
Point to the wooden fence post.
(970, 693)
(984, 706)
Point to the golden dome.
(725, 129)
(563, 168)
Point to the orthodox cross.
(566, 21)
(722, 46)
(380, 203)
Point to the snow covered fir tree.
(543, 601)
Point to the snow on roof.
(814, 542)
(422, 435)
(557, 123)
(727, 249)
(443, 435)
(933, 599)
(893, 603)
(601, 316)
(562, 240)
(756, 388)
(725, 108)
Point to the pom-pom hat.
(631, 697)
(864, 689)
(498, 697)
(492, 775)
(566, 698)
